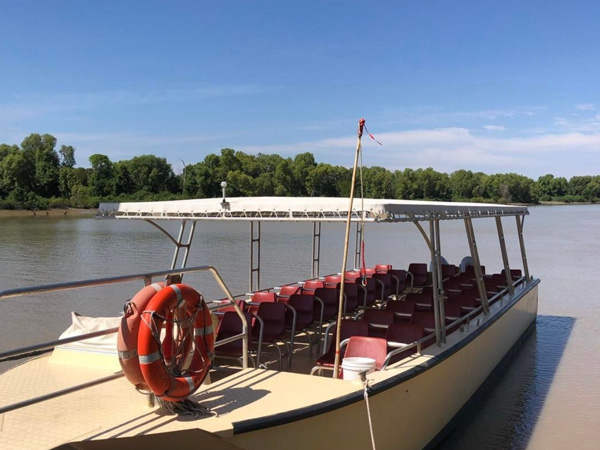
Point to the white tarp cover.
(82, 325)
(298, 208)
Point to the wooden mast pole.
(338, 333)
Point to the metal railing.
(147, 278)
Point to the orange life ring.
(128, 334)
(162, 381)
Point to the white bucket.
(354, 365)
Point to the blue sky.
(511, 86)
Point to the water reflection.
(506, 414)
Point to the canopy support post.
(179, 241)
(316, 250)
(477, 265)
(509, 282)
(254, 256)
(520, 223)
(438, 297)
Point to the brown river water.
(547, 396)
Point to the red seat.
(467, 303)
(303, 305)
(384, 286)
(311, 285)
(272, 317)
(349, 328)
(383, 268)
(448, 270)
(367, 347)
(330, 299)
(424, 318)
(398, 280)
(260, 297)
(419, 273)
(402, 310)
(422, 302)
(231, 325)
(470, 270)
(404, 333)
(378, 321)
(286, 291)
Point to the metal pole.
(436, 293)
(338, 333)
(522, 244)
(438, 268)
(316, 250)
(254, 241)
(178, 244)
(187, 246)
(511, 288)
(477, 265)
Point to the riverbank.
(47, 212)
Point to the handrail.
(147, 277)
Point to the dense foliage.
(37, 175)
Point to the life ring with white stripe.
(128, 334)
(177, 380)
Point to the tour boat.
(420, 341)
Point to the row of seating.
(304, 306)
(307, 306)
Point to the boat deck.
(114, 409)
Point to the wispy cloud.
(494, 127)
(21, 107)
(450, 149)
(585, 107)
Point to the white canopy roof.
(304, 209)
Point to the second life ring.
(128, 334)
(176, 380)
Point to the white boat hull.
(410, 414)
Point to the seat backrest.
(470, 269)
(404, 333)
(288, 290)
(419, 272)
(311, 285)
(352, 276)
(230, 324)
(367, 347)
(332, 280)
(263, 296)
(378, 316)
(405, 308)
(383, 268)
(448, 270)
(273, 316)
(424, 318)
(303, 304)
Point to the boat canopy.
(312, 209)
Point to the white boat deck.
(114, 409)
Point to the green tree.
(40, 148)
(67, 156)
(17, 171)
(326, 180)
(303, 164)
(101, 181)
(378, 182)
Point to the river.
(546, 397)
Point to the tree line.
(37, 175)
